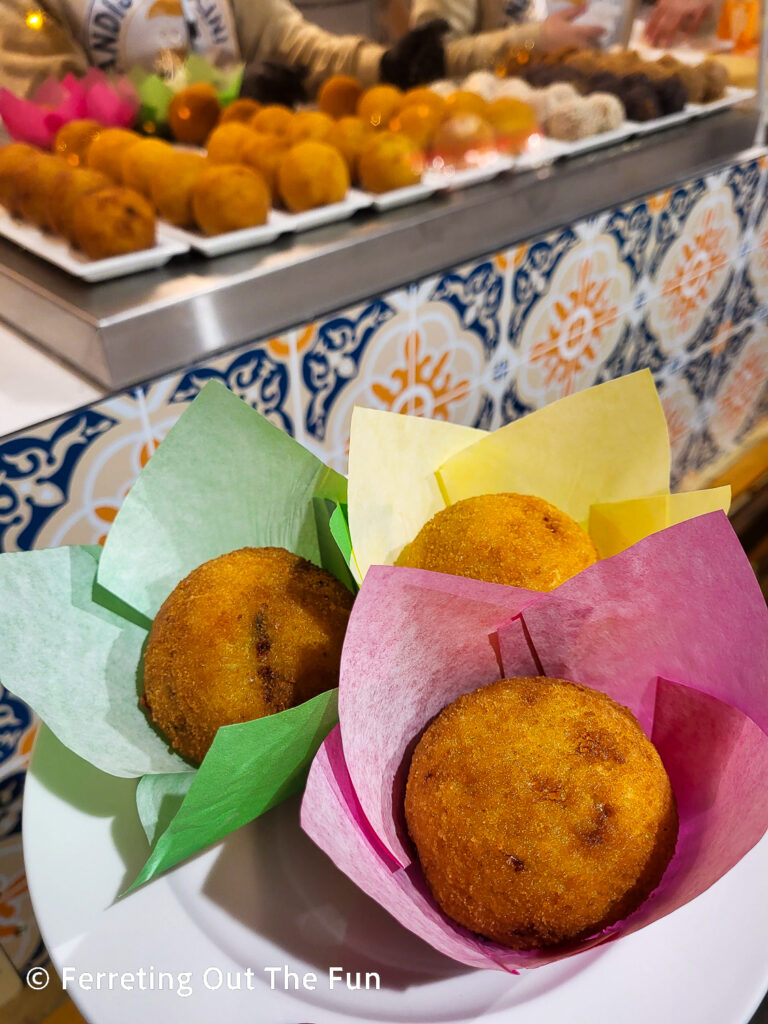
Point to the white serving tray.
(61, 254)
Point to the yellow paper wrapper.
(601, 455)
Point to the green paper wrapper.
(155, 92)
(77, 619)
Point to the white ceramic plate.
(402, 196)
(626, 131)
(353, 201)
(658, 124)
(58, 252)
(464, 177)
(733, 95)
(232, 241)
(267, 897)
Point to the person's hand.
(417, 58)
(558, 32)
(272, 82)
(672, 16)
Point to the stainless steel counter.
(125, 331)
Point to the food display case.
(475, 305)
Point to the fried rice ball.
(172, 192)
(241, 110)
(426, 97)
(309, 124)
(349, 135)
(142, 163)
(106, 152)
(73, 139)
(264, 153)
(34, 187)
(71, 184)
(193, 113)
(14, 159)
(338, 96)
(245, 635)
(226, 142)
(419, 122)
(517, 539)
(465, 102)
(273, 119)
(112, 222)
(379, 104)
(513, 122)
(461, 135)
(389, 160)
(715, 80)
(540, 811)
(312, 174)
(229, 197)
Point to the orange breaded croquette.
(245, 635)
(540, 811)
(517, 539)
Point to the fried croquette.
(112, 222)
(172, 192)
(73, 139)
(389, 160)
(245, 635)
(71, 184)
(540, 812)
(106, 152)
(142, 163)
(338, 96)
(517, 539)
(15, 158)
(312, 174)
(349, 135)
(35, 186)
(239, 110)
(273, 119)
(226, 142)
(193, 113)
(229, 197)
(264, 154)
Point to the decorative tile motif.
(741, 386)
(693, 269)
(744, 182)
(570, 333)
(631, 227)
(19, 933)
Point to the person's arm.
(672, 16)
(461, 15)
(275, 30)
(488, 48)
(34, 45)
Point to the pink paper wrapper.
(674, 628)
(36, 121)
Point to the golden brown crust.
(540, 811)
(245, 635)
(516, 539)
(229, 197)
(112, 222)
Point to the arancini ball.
(35, 186)
(422, 96)
(349, 135)
(389, 160)
(229, 197)
(273, 119)
(540, 811)
(309, 124)
(245, 635)
(264, 152)
(106, 152)
(71, 184)
(172, 192)
(338, 96)
(463, 135)
(418, 121)
(113, 221)
(226, 141)
(312, 174)
(241, 110)
(73, 139)
(144, 162)
(464, 102)
(193, 113)
(16, 159)
(512, 120)
(516, 539)
(379, 104)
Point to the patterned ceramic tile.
(19, 933)
(18, 726)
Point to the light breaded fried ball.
(540, 812)
(193, 113)
(15, 159)
(239, 110)
(338, 96)
(273, 119)
(226, 142)
(73, 139)
(34, 187)
(245, 635)
(229, 197)
(112, 222)
(517, 539)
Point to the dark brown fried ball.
(245, 635)
(640, 102)
(540, 811)
(715, 80)
(517, 539)
(112, 222)
(671, 94)
(193, 113)
(71, 184)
